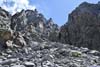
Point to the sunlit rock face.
(29, 22)
(83, 27)
(31, 25)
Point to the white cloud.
(17, 5)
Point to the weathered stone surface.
(5, 31)
(18, 66)
(52, 54)
(29, 64)
(18, 39)
(8, 61)
(83, 27)
(5, 35)
(5, 19)
(35, 25)
(75, 53)
(9, 44)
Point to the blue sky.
(56, 9)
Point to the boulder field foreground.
(28, 39)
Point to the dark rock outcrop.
(83, 27)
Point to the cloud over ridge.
(14, 6)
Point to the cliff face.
(83, 27)
(31, 21)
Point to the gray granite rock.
(18, 66)
(29, 64)
(8, 61)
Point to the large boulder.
(83, 26)
(5, 35)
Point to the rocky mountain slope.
(26, 39)
(24, 27)
(83, 27)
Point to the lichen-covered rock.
(75, 53)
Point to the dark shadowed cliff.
(83, 26)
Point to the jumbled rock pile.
(49, 54)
